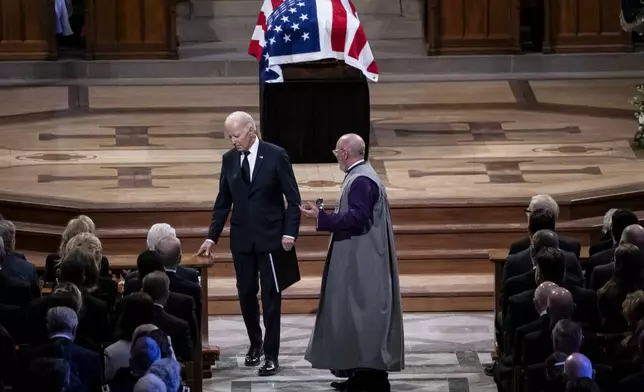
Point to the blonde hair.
(88, 243)
(78, 225)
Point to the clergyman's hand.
(205, 248)
(310, 210)
(287, 243)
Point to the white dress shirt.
(252, 157)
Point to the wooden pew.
(202, 348)
(573, 26)
(472, 27)
(132, 29)
(27, 30)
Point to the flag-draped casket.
(314, 62)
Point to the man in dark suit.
(168, 252)
(14, 266)
(520, 263)
(621, 219)
(86, 369)
(632, 234)
(255, 177)
(547, 203)
(178, 305)
(157, 286)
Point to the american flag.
(294, 31)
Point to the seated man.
(634, 235)
(157, 286)
(13, 266)
(545, 202)
(86, 371)
(49, 375)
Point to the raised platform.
(460, 162)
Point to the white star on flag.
(292, 10)
(304, 17)
(305, 36)
(285, 19)
(266, 56)
(300, 4)
(278, 28)
(287, 38)
(295, 26)
(271, 40)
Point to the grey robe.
(359, 320)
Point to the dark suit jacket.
(52, 260)
(178, 331)
(537, 346)
(182, 286)
(521, 311)
(14, 291)
(18, 268)
(189, 274)
(598, 259)
(259, 219)
(634, 383)
(520, 263)
(601, 275)
(565, 243)
(605, 244)
(86, 365)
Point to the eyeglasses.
(528, 212)
(337, 151)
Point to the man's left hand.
(310, 210)
(287, 243)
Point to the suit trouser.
(247, 268)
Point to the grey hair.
(169, 251)
(150, 383)
(157, 232)
(141, 329)
(544, 202)
(62, 319)
(8, 234)
(608, 221)
(169, 371)
(1, 246)
(69, 288)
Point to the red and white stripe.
(347, 40)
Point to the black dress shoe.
(339, 385)
(253, 356)
(269, 368)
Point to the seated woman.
(107, 288)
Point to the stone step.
(410, 262)
(240, 28)
(381, 48)
(420, 293)
(228, 8)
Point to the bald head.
(349, 149)
(541, 295)
(633, 234)
(560, 304)
(168, 251)
(578, 366)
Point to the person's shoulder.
(179, 298)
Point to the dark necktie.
(246, 167)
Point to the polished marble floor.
(444, 352)
(430, 141)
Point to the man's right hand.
(205, 248)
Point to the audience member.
(65, 294)
(137, 309)
(157, 285)
(150, 383)
(163, 340)
(144, 352)
(85, 365)
(578, 366)
(628, 277)
(169, 253)
(606, 241)
(50, 374)
(178, 305)
(634, 382)
(168, 370)
(159, 231)
(15, 266)
(582, 385)
(547, 203)
(14, 292)
(600, 267)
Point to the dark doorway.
(532, 25)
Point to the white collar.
(171, 270)
(61, 335)
(254, 147)
(355, 164)
(544, 312)
(159, 305)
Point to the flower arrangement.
(638, 101)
